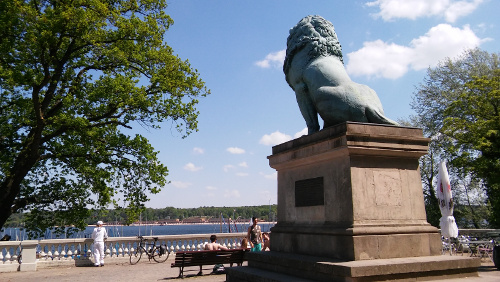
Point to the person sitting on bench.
(213, 245)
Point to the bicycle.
(157, 253)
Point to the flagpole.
(449, 244)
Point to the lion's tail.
(375, 116)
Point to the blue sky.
(238, 48)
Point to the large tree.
(440, 105)
(75, 77)
(473, 120)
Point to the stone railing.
(480, 233)
(48, 253)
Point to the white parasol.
(447, 223)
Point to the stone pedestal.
(352, 194)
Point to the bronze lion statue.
(314, 69)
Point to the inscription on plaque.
(309, 192)
(389, 187)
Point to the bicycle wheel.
(158, 256)
(135, 257)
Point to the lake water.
(148, 230)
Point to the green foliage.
(473, 120)
(459, 112)
(428, 167)
(75, 76)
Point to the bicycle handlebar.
(143, 239)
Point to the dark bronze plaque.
(309, 192)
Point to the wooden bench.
(200, 258)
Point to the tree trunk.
(8, 192)
(11, 185)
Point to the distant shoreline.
(145, 229)
(186, 223)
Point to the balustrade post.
(126, 251)
(120, 250)
(199, 244)
(42, 255)
(193, 245)
(69, 253)
(8, 257)
(172, 249)
(107, 251)
(57, 254)
(89, 253)
(177, 248)
(63, 253)
(50, 254)
(28, 255)
(80, 253)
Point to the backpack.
(219, 269)
(163, 249)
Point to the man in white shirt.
(99, 235)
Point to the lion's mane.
(316, 32)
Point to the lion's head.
(316, 32)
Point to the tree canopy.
(75, 77)
(458, 107)
(473, 119)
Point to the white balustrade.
(79, 251)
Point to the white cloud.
(301, 133)
(198, 151)
(460, 8)
(379, 59)
(232, 194)
(274, 138)
(235, 150)
(192, 167)
(229, 167)
(242, 174)
(442, 41)
(451, 10)
(180, 184)
(211, 188)
(226, 168)
(390, 60)
(273, 59)
(272, 176)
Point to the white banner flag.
(447, 222)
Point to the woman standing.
(254, 235)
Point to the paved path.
(114, 271)
(152, 271)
